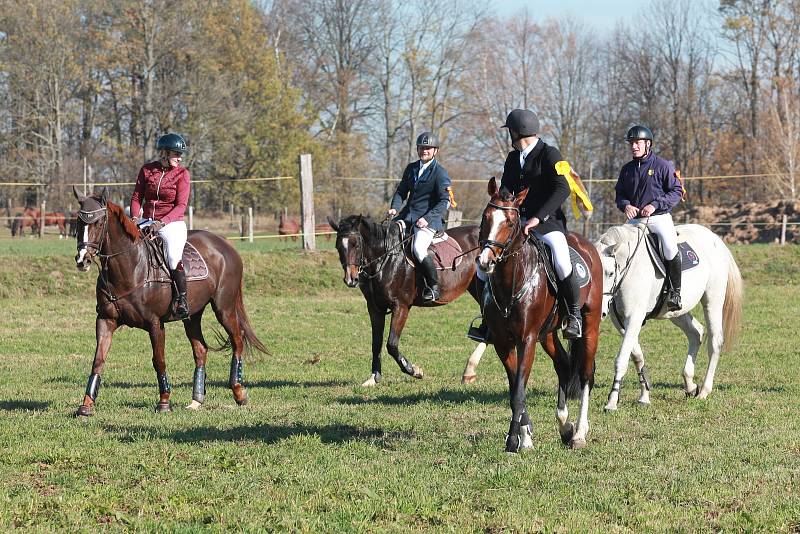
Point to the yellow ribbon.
(576, 192)
(452, 197)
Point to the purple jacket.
(650, 180)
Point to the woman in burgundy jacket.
(159, 201)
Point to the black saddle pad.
(579, 268)
(689, 258)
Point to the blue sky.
(601, 14)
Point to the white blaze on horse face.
(82, 251)
(498, 217)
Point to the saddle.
(579, 268)
(446, 252)
(193, 263)
(689, 258)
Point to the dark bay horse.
(373, 259)
(132, 290)
(523, 311)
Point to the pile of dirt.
(748, 222)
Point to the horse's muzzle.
(83, 261)
(486, 260)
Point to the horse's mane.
(128, 225)
(619, 234)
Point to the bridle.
(93, 216)
(362, 263)
(618, 278)
(491, 243)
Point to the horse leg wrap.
(163, 384)
(644, 379)
(93, 386)
(199, 384)
(237, 370)
(405, 365)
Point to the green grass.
(313, 451)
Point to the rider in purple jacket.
(646, 192)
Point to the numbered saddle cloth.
(689, 258)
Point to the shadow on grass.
(454, 396)
(23, 406)
(269, 434)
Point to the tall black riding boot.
(181, 306)
(572, 325)
(480, 333)
(431, 290)
(674, 275)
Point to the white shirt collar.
(423, 167)
(524, 154)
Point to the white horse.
(632, 285)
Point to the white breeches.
(422, 240)
(557, 242)
(663, 227)
(174, 236)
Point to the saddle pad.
(579, 268)
(193, 263)
(446, 252)
(689, 258)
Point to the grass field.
(313, 451)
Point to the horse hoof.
(84, 411)
(241, 400)
(643, 402)
(577, 443)
(702, 395)
(163, 407)
(610, 407)
(417, 371)
(369, 382)
(512, 444)
(694, 393)
(194, 405)
(471, 379)
(566, 433)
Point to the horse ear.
(104, 194)
(492, 188)
(78, 196)
(333, 224)
(521, 196)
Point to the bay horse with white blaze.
(374, 259)
(524, 309)
(134, 289)
(632, 294)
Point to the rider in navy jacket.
(424, 189)
(646, 192)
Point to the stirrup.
(430, 293)
(673, 301)
(571, 327)
(478, 333)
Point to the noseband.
(497, 244)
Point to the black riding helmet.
(523, 122)
(639, 132)
(427, 139)
(172, 142)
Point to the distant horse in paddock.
(288, 226)
(22, 221)
(633, 287)
(72, 223)
(375, 259)
(51, 218)
(134, 289)
(324, 230)
(524, 309)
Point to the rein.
(363, 265)
(626, 268)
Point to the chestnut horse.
(372, 257)
(133, 290)
(288, 226)
(524, 309)
(51, 218)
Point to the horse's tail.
(248, 335)
(732, 308)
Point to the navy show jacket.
(649, 180)
(427, 196)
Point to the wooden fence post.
(250, 224)
(41, 219)
(191, 217)
(307, 202)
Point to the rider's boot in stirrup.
(180, 305)
(431, 289)
(572, 324)
(480, 333)
(674, 276)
